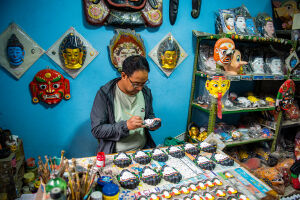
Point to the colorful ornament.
(127, 179)
(150, 176)
(236, 64)
(72, 52)
(166, 194)
(184, 190)
(125, 43)
(159, 155)
(201, 185)
(50, 87)
(265, 26)
(207, 147)
(285, 96)
(204, 163)
(122, 160)
(176, 151)
(141, 157)
(222, 159)
(170, 174)
(191, 149)
(18, 52)
(168, 54)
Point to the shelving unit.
(201, 36)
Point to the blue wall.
(45, 131)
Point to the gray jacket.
(104, 127)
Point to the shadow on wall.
(83, 143)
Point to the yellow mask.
(73, 58)
(218, 86)
(169, 59)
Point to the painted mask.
(223, 51)
(250, 26)
(72, 52)
(269, 29)
(15, 51)
(285, 96)
(50, 87)
(241, 24)
(258, 65)
(217, 86)
(236, 63)
(125, 43)
(229, 21)
(168, 53)
(275, 66)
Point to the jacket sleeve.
(101, 128)
(149, 108)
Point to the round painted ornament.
(170, 174)
(141, 157)
(204, 163)
(159, 155)
(50, 87)
(191, 149)
(122, 160)
(176, 151)
(127, 179)
(222, 159)
(150, 176)
(205, 146)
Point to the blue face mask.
(15, 55)
(250, 26)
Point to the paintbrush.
(51, 164)
(61, 156)
(86, 177)
(70, 180)
(128, 113)
(90, 183)
(77, 178)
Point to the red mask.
(50, 87)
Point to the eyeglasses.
(136, 85)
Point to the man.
(120, 106)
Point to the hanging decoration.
(72, 52)
(124, 13)
(285, 96)
(168, 54)
(223, 53)
(173, 10)
(265, 26)
(125, 43)
(50, 87)
(18, 52)
(217, 86)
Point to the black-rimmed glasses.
(136, 85)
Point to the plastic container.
(100, 159)
(96, 195)
(110, 191)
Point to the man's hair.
(135, 63)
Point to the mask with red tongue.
(217, 86)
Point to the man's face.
(269, 28)
(135, 82)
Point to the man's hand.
(134, 122)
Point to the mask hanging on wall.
(125, 43)
(168, 54)
(285, 96)
(217, 86)
(173, 10)
(132, 13)
(72, 52)
(50, 87)
(18, 52)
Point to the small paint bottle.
(110, 191)
(100, 159)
